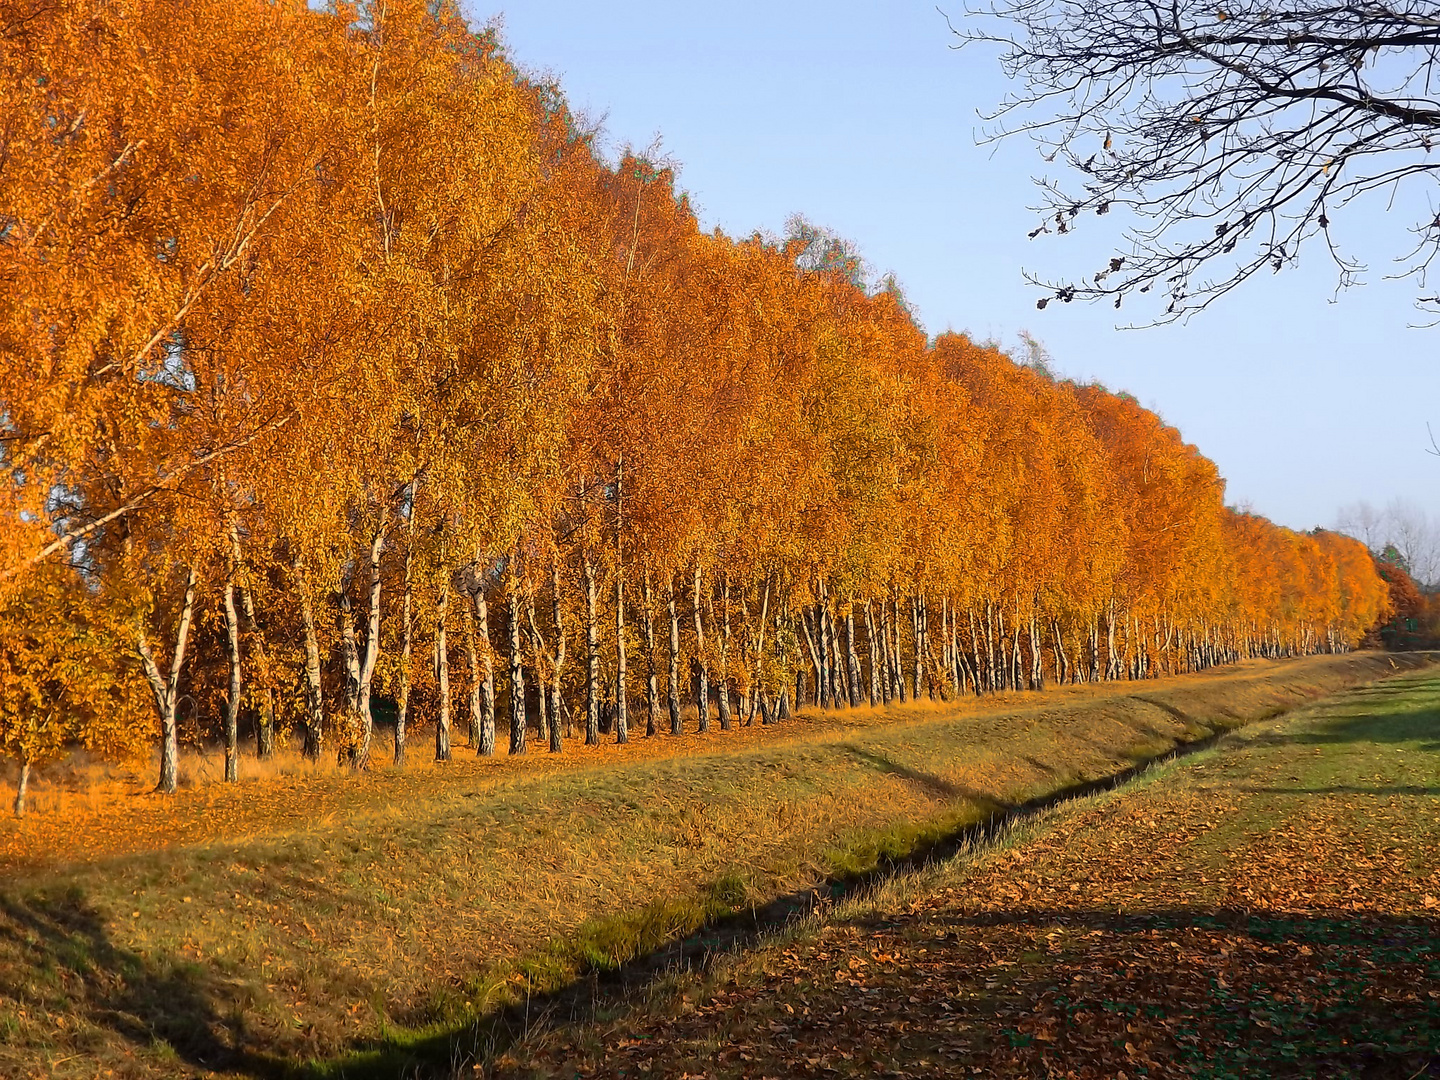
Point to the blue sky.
(863, 118)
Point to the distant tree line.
(1400, 533)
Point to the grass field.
(330, 925)
(1269, 907)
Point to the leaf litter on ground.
(1264, 909)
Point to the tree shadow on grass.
(1043, 991)
(1180, 716)
(473, 1042)
(1375, 718)
(56, 953)
(1216, 992)
(935, 786)
(1342, 789)
(1272, 994)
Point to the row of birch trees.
(344, 384)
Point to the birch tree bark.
(1016, 660)
(542, 687)
(873, 669)
(652, 689)
(917, 630)
(22, 787)
(472, 663)
(265, 713)
(166, 688)
(622, 711)
(702, 676)
(407, 626)
(349, 657)
(592, 656)
(372, 653)
(887, 683)
(815, 660)
(674, 686)
(1037, 665)
(897, 656)
(839, 689)
(314, 699)
(975, 652)
(852, 661)
(758, 691)
(1057, 645)
(517, 672)
(723, 680)
(480, 610)
(557, 700)
(407, 645)
(442, 673)
(1112, 659)
(232, 698)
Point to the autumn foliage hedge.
(339, 367)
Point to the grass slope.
(249, 930)
(1268, 907)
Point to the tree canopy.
(340, 376)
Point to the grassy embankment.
(1267, 907)
(302, 919)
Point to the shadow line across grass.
(1202, 925)
(63, 937)
(622, 955)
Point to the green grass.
(398, 929)
(1267, 907)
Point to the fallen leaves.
(1189, 927)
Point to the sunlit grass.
(300, 915)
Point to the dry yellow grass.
(1267, 908)
(291, 915)
(83, 809)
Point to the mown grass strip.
(1264, 908)
(402, 932)
(646, 939)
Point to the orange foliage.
(337, 316)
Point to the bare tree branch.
(1231, 132)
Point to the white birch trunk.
(557, 700)
(314, 699)
(887, 684)
(622, 712)
(872, 670)
(232, 697)
(442, 673)
(481, 610)
(652, 686)
(22, 786)
(759, 692)
(407, 647)
(674, 686)
(265, 715)
(372, 654)
(472, 692)
(814, 658)
(702, 676)
(622, 709)
(537, 648)
(723, 681)
(592, 657)
(165, 688)
(517, 673)
(852, 660)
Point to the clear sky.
(863, 118)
